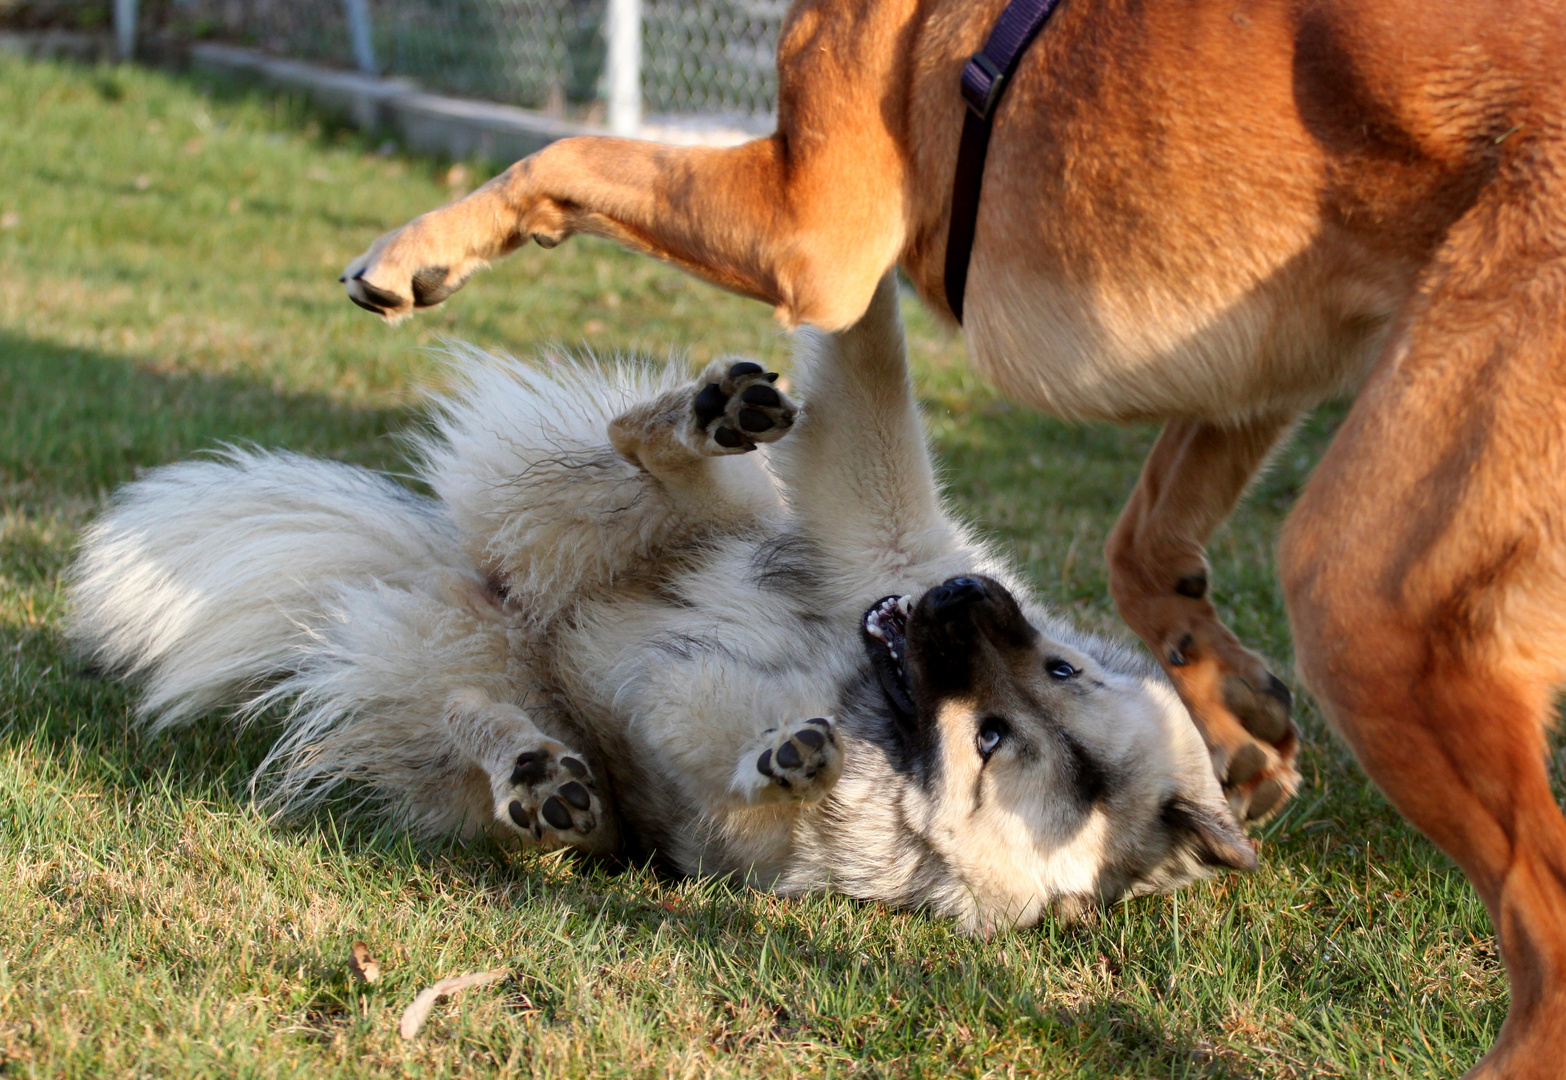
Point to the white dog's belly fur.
(605, 617)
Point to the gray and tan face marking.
(1051, 778)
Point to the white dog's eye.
(1060, 669)
(991, 732)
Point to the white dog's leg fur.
(856, 470)
(568, 478)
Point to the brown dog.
(1219, 213)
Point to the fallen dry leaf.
(414, 1015)
(363, 965)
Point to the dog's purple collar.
(984, 81)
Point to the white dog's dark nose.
(956, 592)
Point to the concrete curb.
(75, 45)
(431, 123)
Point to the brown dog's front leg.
(1159, 579)
(803, 231)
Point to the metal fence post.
(624, 61)
(358, 12)
(125, 28)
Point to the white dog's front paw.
(550, 790)
(737, 407)
(798, 762)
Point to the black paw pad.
(573, 766)
(754, 420)
(819, 721)
(1264, 799)
(519, 815)
(709, 404)
(764, 763)
(554, 811)
(429, 286)
(744, 368)
(811, 737)
(530, 769)
(576, 795)
(377, 295)
(1248, 761)
(728, 438)
(761, 395)
(788, 756)
(1264, 714)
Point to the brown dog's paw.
(1258, 778)
(738, 406)
(1243, 711)
(404, 271)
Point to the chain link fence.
(702, 62)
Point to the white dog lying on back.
(614, 629)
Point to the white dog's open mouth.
(886, 639)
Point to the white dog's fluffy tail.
(260, 580)
(206, 579)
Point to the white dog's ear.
(1210, 834)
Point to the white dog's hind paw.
(551, 790)
(798, 762)
(737, 407)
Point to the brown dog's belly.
(1171, 349)
(1204, 211)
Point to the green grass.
(168, 255)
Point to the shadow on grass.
(79, 422)
(76, 424)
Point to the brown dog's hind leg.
(1425, 569)
(1158, 576)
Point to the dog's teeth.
(905, 604)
